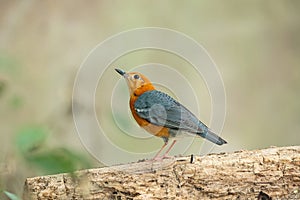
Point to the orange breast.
(158, 131)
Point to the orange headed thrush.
(160, 114)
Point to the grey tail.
(211, 136)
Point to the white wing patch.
(141, 110)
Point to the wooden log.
(259, 174)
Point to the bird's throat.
(142, 89)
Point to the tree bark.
(272, 173)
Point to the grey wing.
(160, 109)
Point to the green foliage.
(57, 160)
(2, 86)
(32, 145)
(8, 64)
(9, 69)
(16, 101)
(11, 196)
(30, 138)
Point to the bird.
(161, 115)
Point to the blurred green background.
(255, 44)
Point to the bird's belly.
(158, 131)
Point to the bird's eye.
(136, 76)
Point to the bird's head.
(137, 82)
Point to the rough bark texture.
(260, 174)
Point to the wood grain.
(258, 174)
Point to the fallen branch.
(260, 174)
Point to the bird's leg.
(156, 157)
(157, 154)
(166, 153)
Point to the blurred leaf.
(11, 196)
(30, 138)
(8, 64)
(16, 101)
(2, 87)
(31, 142)
(57, 160)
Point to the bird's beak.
(121, 72)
